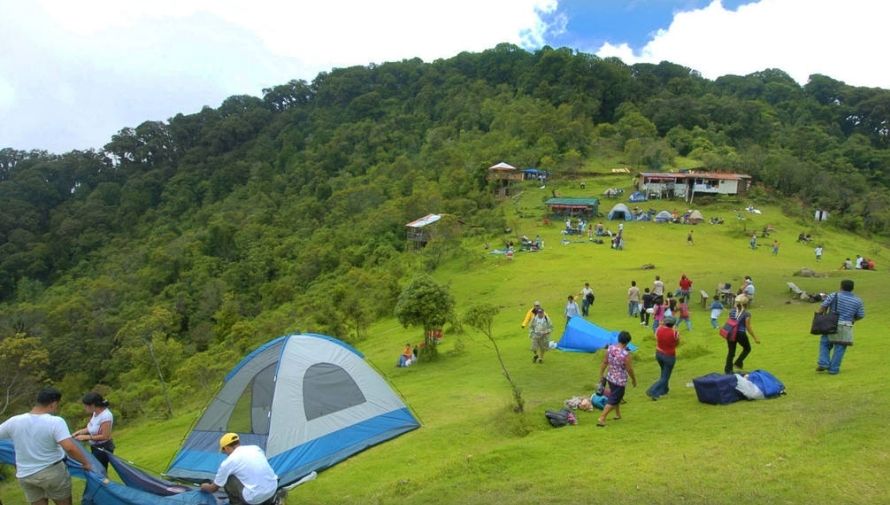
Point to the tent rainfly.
(663, 217)
(581, 335)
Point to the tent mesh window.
(250, 414)
(327, 388)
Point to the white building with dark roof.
(687, 185)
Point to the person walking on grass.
(685, 286)
(658, 290)
(743, 330)
(850, 309)
(753, 242)
(716, 310)
(571, 309)
(689, 240)
(41, 440)
(658, 314)
(531, 314)
(775, 247)
(539, 333)
(648, 303)
(616, 367)
(586, 299)
(683, 313)
(818, 251)
(633, 300)
(666, 341)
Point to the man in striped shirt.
(849, 308)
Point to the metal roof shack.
(504, 176)
(420, 230)
(573, 206)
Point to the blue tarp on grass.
(581, 335)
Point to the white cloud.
(78, 71)
(7, 94)
(844, 40)
(334, 32)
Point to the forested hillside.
(195, 239)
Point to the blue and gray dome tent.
(308, 400)
(620, 211)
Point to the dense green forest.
(181, 244)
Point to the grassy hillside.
(826, 441)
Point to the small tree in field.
(480, 317)
(428, 304)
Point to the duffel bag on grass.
(716, 389)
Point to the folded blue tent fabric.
(7, 456)
(581, 335)
(101, 491)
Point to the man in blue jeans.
(850, 309)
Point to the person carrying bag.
(848, 308)
(740, 321)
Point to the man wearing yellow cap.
(245, 474)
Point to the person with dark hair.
(743, 329)
(648, 304)
(850, 309)
(587, 298)
(98, 430)
(619, 363)
(666, 341)
(658, 290)
(41, 440)
(633, 300)
(572, 309)
(245, 474)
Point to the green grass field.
(826, 442)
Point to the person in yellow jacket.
(531, 313)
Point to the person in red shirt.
(685, 286)
(667, 339)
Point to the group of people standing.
(617, 364)
(668, 310)
(42, 440)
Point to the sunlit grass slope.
(825, 442)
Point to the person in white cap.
(245, 474)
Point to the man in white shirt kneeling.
(245, 474)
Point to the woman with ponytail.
(98, 430)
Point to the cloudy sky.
(73, 73)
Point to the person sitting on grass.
(407, 356)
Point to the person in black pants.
(648, 303)
(743, 329)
